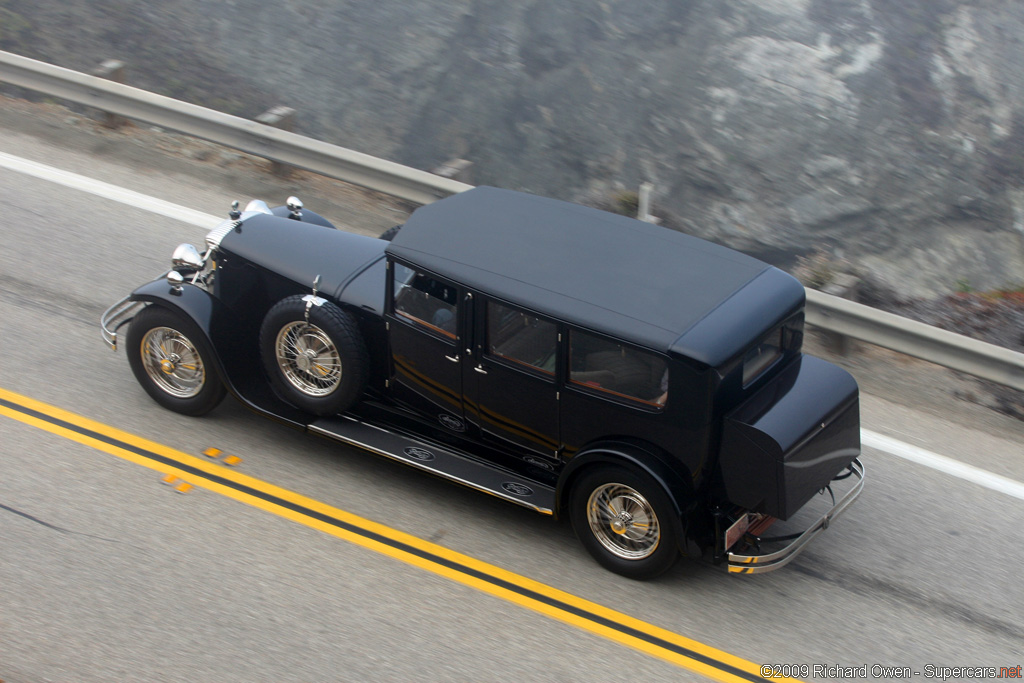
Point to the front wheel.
(170, 359)
(625, 520)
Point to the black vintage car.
(649, 384)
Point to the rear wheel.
(625, 520)
(170, 359)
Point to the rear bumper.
(766, 562)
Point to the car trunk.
(787, 441)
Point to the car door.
(426, 322)
(515, 396)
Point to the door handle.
(480, 369)
(454, 359)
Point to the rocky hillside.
(887, 132)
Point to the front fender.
(190, 300)
(197, 305)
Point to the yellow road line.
(565, 607)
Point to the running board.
(440, 461)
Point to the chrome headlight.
(187, 256)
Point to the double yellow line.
(466, 570)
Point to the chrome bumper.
(117, 315)
(756, 564)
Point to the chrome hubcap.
(308, 358)
(623, 521)
(172, 362)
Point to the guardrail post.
(116, 71)
(283, 118)
(455, 169)
(843, 285)
(643, 204)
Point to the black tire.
(390, 233)
(639, 543)
(320, 365)
(171, 359)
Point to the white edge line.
(108, 191)
(869, 438)
(958, 469)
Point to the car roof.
(627, 278)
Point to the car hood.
(300, 251)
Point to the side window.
(521, 338)
(426, 301)
(612, 368)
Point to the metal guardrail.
(829, 313)
(277, 145)
(981, 359)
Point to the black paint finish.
(715, 444)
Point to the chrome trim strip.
(423, 465)
(757, 564)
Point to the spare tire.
(320, 363)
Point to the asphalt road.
(108, 574)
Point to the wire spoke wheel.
(314, 355)
(171, 359)
(308, 359)
(623, 521)
(172, 362)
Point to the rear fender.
(670, 475)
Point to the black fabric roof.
(628, 278)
